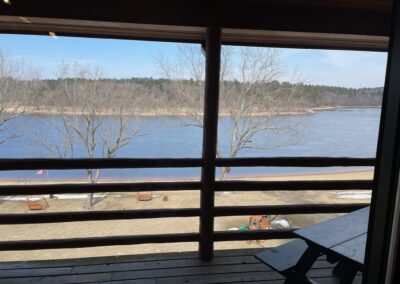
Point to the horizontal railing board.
(97, 241)
(286, 209)
(141, 239)
(115, 163)
(221, 236)
(41, 189)
(38, 189)
(118, 163)
(57, 217)
(295, 162)
(234, 185)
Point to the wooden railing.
(219, 211)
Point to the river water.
(348, 132)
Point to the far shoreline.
(48, 111)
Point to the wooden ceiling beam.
(83, 28)
(369, 17)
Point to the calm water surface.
(333, 133)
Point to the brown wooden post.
(386, 179)
(210, 129)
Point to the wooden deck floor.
(230, 266)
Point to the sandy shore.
(176, 199)
(352, 175)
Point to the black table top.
(345, 235)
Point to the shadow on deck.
(228, 266)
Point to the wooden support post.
(210, 129)
(386, 180)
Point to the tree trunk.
(89, 199)
(224, 173)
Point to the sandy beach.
(176, 199)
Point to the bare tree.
(94, 117)
(18, 86)
(250, 91)
(186, 75)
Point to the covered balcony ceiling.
(352, 24)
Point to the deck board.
(229, 266)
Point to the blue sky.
(124, 59)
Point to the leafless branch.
(247, 93)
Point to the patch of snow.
(233, 229)
(283, 223)
(359, 195)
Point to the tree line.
(149, 95)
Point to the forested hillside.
(149, 95)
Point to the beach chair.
(36, 203)
(144, 196)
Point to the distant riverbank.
(50, 110)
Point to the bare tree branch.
(247, 94)
(87, 105)
(18, 85)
